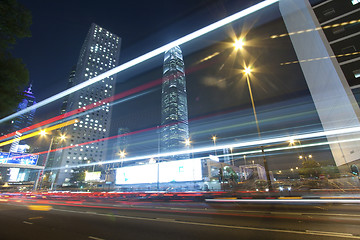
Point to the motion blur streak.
(347, 201)
(98, 104)
(316, 29)
(322, 58)
(38, 132)
(212, 148)
(147, 56)
(39, 207)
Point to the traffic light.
(354, 170)
(220, 174)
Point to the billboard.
(174, 171)
(18, 158)
(92, 176)
(137, 174)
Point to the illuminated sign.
(18, 158)
(14, 174)
(92, 176)
(175, 171)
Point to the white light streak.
(147, 56)
(246, 144)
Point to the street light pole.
(46, 159)
(247, 72)
(232, 157)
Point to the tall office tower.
(24, 120)
(99, 53)
(174, 112)
(344, 38)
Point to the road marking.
(91, 212)
(330, 233)
(34, 218)
(165, 219)
(96, 238)
(284, 213)
(27, 222)
(318, 233)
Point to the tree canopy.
(15, 24)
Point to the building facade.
(174, 113)
(344, 39)
(323, 39)
(99, 53)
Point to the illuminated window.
(329, 12)
(354, 2)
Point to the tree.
(310, 169)
(15, 23)
(78, 176)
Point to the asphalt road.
(44, 219)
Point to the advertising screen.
(180, 171)
(137, 174)
(175, 171)
(92, 176)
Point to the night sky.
(59, 29)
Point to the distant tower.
(24, 120)
(174, 112)
(99, 53)
(69, 85)
(54, 159)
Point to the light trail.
(100, 103)
(38, 132)
(237, 145)
(321, 58)
(146, 56)
(316, 29)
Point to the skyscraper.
(24, 120)
(174, 112)
(99, 53)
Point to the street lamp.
(247, 71)
(232, 157)
(43, 133)
(305, 157)
(122, 155)
(188, 144)
(238, 44)
(214, 140)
